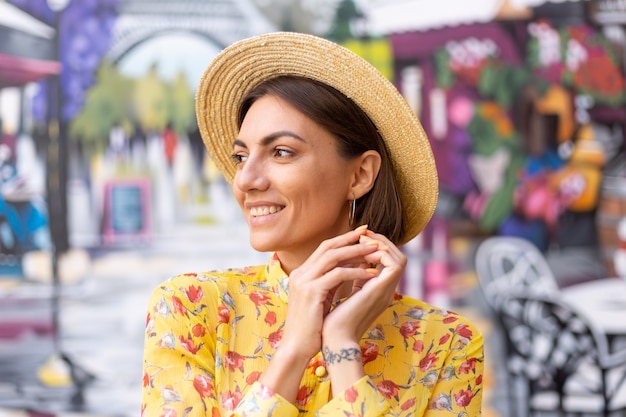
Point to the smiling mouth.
(264, 211)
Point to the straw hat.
(247, 63)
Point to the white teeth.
(264, 211)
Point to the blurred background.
(105, 188)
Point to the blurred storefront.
(26, 56)
(525, 105)
(26, 48)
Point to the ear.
(366, 169)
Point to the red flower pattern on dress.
(233, 361)
(351, 394)
(304, 395)
(450, 319)
(270, 318)
(369, 352)
(463, 398)
(418, 346)
(223, 314)
(444, 338)
(479, 380)
(204, 386)
(388, 388)
(259, 298)
(253, 377)
(198, 330)
(467, 366)
(178, 306)
(408, 404)
(194, 293)
(188, 344)
(230, 399)
(428, 362)
(463, 330)
(409, 329)
(274, 338)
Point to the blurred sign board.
(127, 209)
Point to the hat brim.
(247, 63)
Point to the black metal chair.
(505, 263)
(562, 359)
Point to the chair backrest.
(504, 264)
(557, 349)
(548, 336)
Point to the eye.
(282, 153)
(238, 158)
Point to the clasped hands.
(360, 267)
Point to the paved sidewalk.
(102, 319)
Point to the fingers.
(342, 250)
(387, 256)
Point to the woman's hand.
(345, 325)
(369, 297)
(312, 288)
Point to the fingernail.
(383, 247)
(360, 228)
(370, 242)
(372, 271)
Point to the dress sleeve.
(180, 361)
(456, 392)
(362, 399)
(459, 388)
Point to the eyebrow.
(271, 138)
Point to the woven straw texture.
(245, 64)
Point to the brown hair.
(381, 207)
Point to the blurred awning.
(16, 71)
(395, 16)
(27, 47)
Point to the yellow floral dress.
(209, 336)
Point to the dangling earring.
(352, 211)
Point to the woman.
(332, 171)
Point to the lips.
(264, 210)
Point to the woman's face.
(291, 183)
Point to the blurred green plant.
(107, 103)
(117, 100)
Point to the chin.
(263, 245)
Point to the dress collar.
(277, 277)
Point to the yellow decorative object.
(580, 186)
(557, 100)
(320, 371)
(55, 372)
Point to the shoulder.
(432, 320)
(196, 286)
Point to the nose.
(251, 175)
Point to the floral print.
(209, 336)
